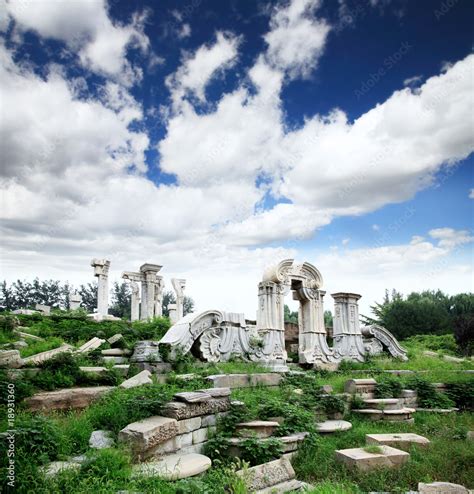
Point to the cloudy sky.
(216, 138)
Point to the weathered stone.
(293, 441)
(143, 377)
(157, 368)
(26, 372)
(148, 433)
(330, 426)
(170, 446)
(245, 380)
(283, 487)
(52, 469)
(179, 410)
(362, 387)
(403, 440)
(456, 360)
(267, 474)
(192, 396)
(65, 399)
(115, 339)
(429, 353)
(43, 356)
(116, 352)
(26, 312)
(257, 428)
(326, 388)
(174, 467)
(265, 379)
(383, 403)
(90, 345)
(361, 459)
(189, 425)
(122, 369)
(115, 360)
(27, 335)
(97, 371)
(200, 435)
(208, 420)
(146, 351)
(185, 440)
(470, 435)
(194, 448)
(217, 392)
(10, 359)
(17, 345)
(45, 309)
(101, 439)
(441, 488)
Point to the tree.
(89, 296)
(464, 333)
(290, 316)
(170, 298)
(328, 318)
(121, 300)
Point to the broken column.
(179, 284)
(149, 282)
(347, 336)
(159, 296)
(101, 270)
(172, 313)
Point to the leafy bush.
(109, 464)
(388, 387)
(428, 395)
(444, 342)
(462, 394)
(333, 404)
(464, 333)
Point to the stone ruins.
(216, 335)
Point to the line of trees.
(427, 312)
(25, 295)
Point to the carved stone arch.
(288, 270)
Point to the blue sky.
(216, 138)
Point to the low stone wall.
(245, 380)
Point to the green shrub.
(23, 388)
(428, 395)
(462, 394)
(388, 387)
(108, 464)
(333, 404)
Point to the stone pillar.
(149, 272)
(179, 284)
(271, 325)
(101, 270)
(75, 301)
(348, 343)
(173, 313)
(134, 279)
(160, 284)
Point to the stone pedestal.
(75, 301)
(101, 271)
(348, 342)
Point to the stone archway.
(306, 282)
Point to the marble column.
(160, 284)
(173, 313)
(348, 343)
(101, 271)
(134, 279)
(179, 285)
(149, 272)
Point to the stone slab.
(10, 359)
(174, 467)
(403, 440)
(94, 370)
(190, 425)
(217, 392)
(66, 399)
(283, 487)
(330, 426)
(49, 354)
(201, 435)
(90, 345)
(101, 439)
(143, 377)
(362, 387)
(180, 410)
(441, 488)
(245, 380)
(383, 403)
(192, 396)
(257, 428)
(115, 339)
(267, 475)
(116, 352)
(360, 459)
(114, 360)
(53, 468)
(146, 434)
(122, 369)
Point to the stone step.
(360, 459)
(49, 354)
(387, 415)
(330, 426)
(174, 467)
(383, 403)
(402, 440)
(267, 475)
(256, 428)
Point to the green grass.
(35, 346)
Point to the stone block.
(229, 380)
(403, 440)
(267, 475)
(53, 468)
(441, 488)
(90, 345)
(185, 440)
(330, 426)
(101, 439)
(10, 359)
(208, 420)
(200, 435)
(96, 371)
(360, 459)
(174, 467)
(265, 379)
(149, 433)
(456, 360)
(43, 356)
(362, 387)
(116, 352)
(217, 392)
(257, 428)
(115, 339)
(114, 360)
(66, 399)
(283, 487)
(326, 389)
(180, 410)
(158, 368)
(45, 309)
(383, 403)
(144, 377)
(122, 369)
(192, 396)
(194, 448)
(189, 425)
